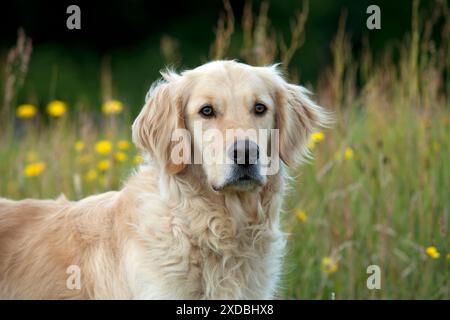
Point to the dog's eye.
(207, 111)
(260, 109)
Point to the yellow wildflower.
(91, 175)
(433, 252)
(34, 169)
(103, 147)
(26, 111)
(138, 159)
(120, 156)
(317, 136)
(123, 145)
(79, 146)
(301, 215)
(56, 108)
(112, 107)
(448, 256)
(329, 265)
(348, 153)
(104, 165)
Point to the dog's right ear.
(296, 117)
(161, 115)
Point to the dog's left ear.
(155, 125)
(297, 117)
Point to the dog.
(178, 229)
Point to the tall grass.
(376, 193)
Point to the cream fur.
(166, 234)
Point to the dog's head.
(231, 119)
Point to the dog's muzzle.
(245, 173)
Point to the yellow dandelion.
(112, 107)
(447, 256)
(79, 146)
(317, 136)
(433, 252)
(104, 165)
(26, 111)
(34, 169)
(103, 147)
(329, 265)
(348, 153)
(91, 175)
(138, 159)
(301, 215)
(123, 145)
(120, 156)
(56, 108)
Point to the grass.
(376, 193)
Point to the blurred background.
(129, 38)
(376, 191)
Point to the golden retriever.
(178, 229)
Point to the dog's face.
(230, 105)
(232, 119)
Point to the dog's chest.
(213, 255)
(243, 267)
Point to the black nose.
(244, 152)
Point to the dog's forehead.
(222, 77)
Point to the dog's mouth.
(245, 179)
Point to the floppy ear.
(161, 115)
(297, 117)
